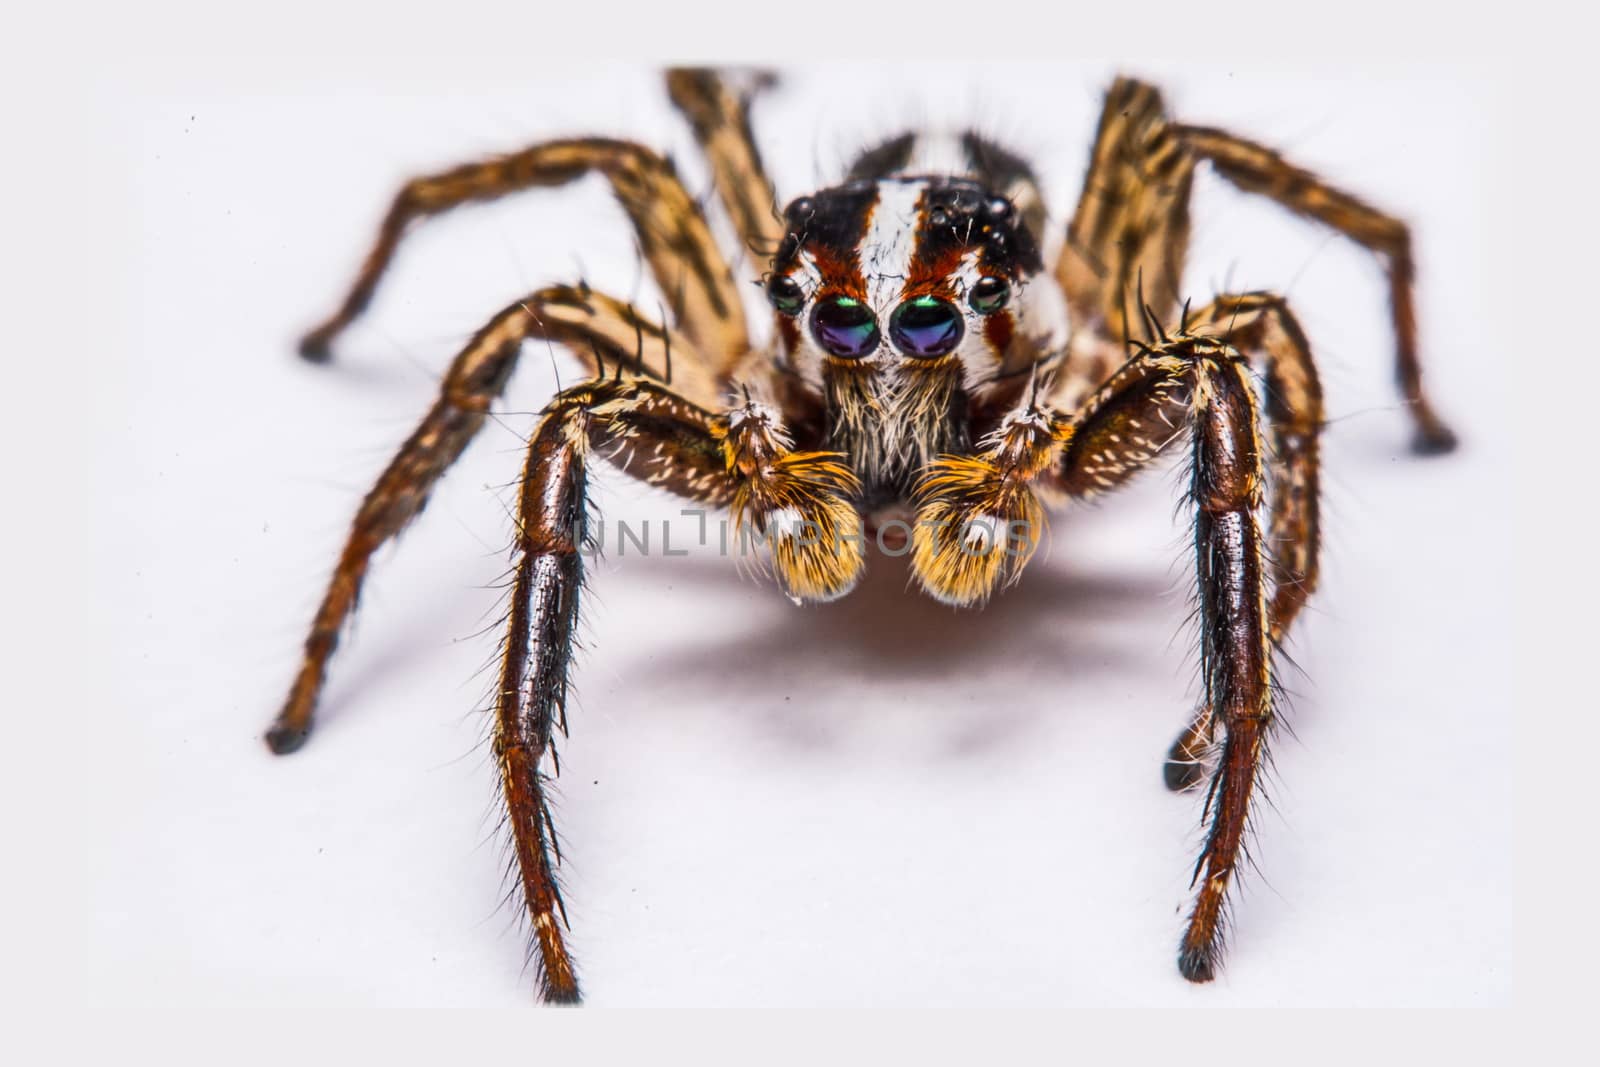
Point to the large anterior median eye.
(926, 326)
(786, 295)
(845, 327)
(989, 295)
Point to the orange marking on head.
(998, 330)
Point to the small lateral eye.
(989, 295)
(786, 295)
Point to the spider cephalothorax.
(908, 305)
(930, 371)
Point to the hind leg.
(1128, 239)
(671, 230)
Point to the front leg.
(1204, 383)
(532, 694)
(739, 460)
(668, 441)
(1235, 654)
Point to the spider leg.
(739, 460)
(719, 114)
(1131, 227)
(1210, 380)
(1261, 325)
(1235, 651)
(1128, 239)
(1256, 169)
(670, 227)
(597, 327)
(664, 433)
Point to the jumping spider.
(929, 373)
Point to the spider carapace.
(931, 380)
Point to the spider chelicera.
(929, 377)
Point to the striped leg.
(597, 327)
(719, 114)
(669, 437)
(1120, 430)
(1130, 232)
(1261, 325)
(1129, 237)
(1260, 170)
(738, 460)
(671, 230)
(1235, 652)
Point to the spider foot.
(568, 996)
(1182, 773)
(283, 738)
(1188, 759)
(316, 347)
(1198, 965)
(1434, 439)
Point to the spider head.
(902, 273)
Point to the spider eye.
(926, 326)
(786, 295)
(845, 327)
(989, 295)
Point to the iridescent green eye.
(845, 327)
(989, 295)
(926, 326)
(786, 295)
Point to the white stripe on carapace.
(890, 243)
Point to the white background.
(876, 801)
